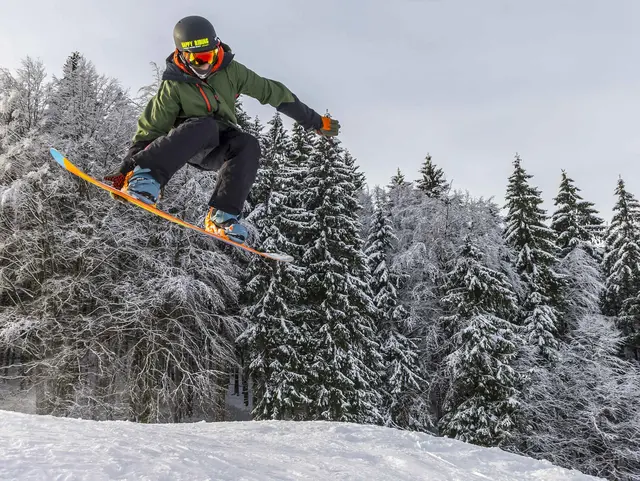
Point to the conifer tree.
(303, 149)
(629, 322)
(479, 302)
(578, 231)
(276, 340)
(403, 381)
(256, 129)
(339, 310)
(534, 246)
(397, 179)
(359, 179)
(621, 262)
(575, 221)
(432, 182)
(276, 343)
(246, 123)
(275, 149)
(365, 200)
(400, 195)
(621, 265)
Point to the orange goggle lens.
(201, 58)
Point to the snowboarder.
(192, 119)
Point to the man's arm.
(159, 116)
(274, 93)
(158, 119)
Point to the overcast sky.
(470, 81)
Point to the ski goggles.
(201, 58)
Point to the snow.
(47, 448)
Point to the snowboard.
(64, 162)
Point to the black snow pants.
(209, 145)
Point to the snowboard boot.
(225, 225)
(140, 184)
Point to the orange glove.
(330, 127)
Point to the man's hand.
(330, 127)
(118, 176)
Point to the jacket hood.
(174, 72)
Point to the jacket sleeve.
(274, 93)
(160, 114)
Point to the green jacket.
(182, 95)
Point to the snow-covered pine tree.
(255, 128)
(575, 221)
(397, 179)
(275, 150)
(578, 231)
(346, 361)
(432, 182)
(275, 340)
(276, 344)
(535, 251)
(365, 200)
(242, 116)
(621, 262)
(303, 149)
(403, 381)
(252, 126)
(629, 320)
(480, 304)
(621, 265)
(363, 195)
(359, 179)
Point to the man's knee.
(244, 146)
(252, 146)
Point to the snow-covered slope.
(47, 448)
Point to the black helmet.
(195, 34)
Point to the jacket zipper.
(204, 96)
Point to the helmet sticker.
(203, 42)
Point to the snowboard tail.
(65, 163)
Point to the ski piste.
(64, 162)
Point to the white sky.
(471, 82)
